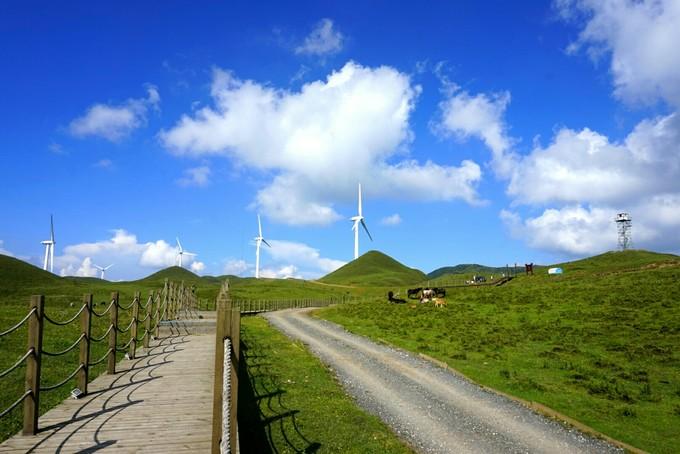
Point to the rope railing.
(19, 324)
(17, 364)
(64, 323)
(64, 381)
(68, 349)
(135, 300)
(126, 329)
(106, 311)
(172, 302)
(100, 360)
(103, 336)
(15, 404)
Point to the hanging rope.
(18, 325)
(54, 322)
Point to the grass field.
(599, 344)
(289, 402)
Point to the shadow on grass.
(257, 390)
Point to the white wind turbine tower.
(258, 241)
(49, 248)
(101, 276)
(182, 252)
(359, 219)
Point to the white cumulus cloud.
(302, 255)
(283, 272)
(481, 115)
(115, 122)
(195, 176)
(132, 259)
(391, 220)
(640, 36)
(323, 40)
(197, 267)
(349, 128)
(236, 267)
(585, 166)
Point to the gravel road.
(433, 409)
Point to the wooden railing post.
(222, 331)
(113, 335)
(85, 328)
(171, 301)
(35, 332)
(133, 328)
(235, 351)
(162, 306)
(147, 323)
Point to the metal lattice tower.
(623, 225)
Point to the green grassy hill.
(466, 269)
(173, 273)
(616, 261)
(15, 273)
(374, 269)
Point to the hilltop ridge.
(374, 268)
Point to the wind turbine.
(49, 248)
(258, 241)
(359, 219)
(182, 252)
(101, 276)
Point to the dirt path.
(433, 409)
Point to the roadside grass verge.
(600, 347)
(290, 402)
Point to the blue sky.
(481, 132)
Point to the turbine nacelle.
(182, 252)
(102, 270)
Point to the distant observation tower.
(623, 226)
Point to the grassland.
(600, 343)
(290, 402)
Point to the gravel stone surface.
(433, 409)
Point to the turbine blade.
(52, 228)
(366, 228)
(265, 242)
(188, 253)
(108, 266)
(179, 245)
(259, 225)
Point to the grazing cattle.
(439, 292)
(414, 293)
(392, 299)
(439, 302)
(428, 293)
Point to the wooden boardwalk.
(159, 402)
